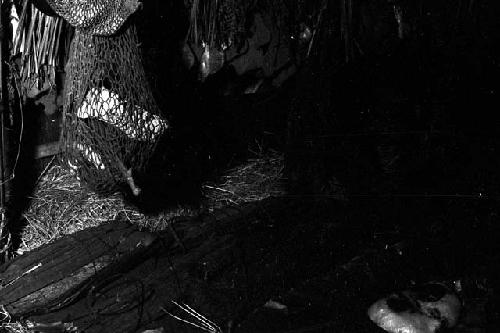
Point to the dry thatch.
(60, 205)
(14, 327)
(38, 40)
(257, 179)
(10, 326)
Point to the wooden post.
(4, 233)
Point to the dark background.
(390, 137)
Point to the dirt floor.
(301, 265)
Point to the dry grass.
(60, 205)
(14, 327)
(8, 325)
(257, 179)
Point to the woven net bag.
(111, 123)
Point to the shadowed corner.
(23, 171)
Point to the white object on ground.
(275, 306)
(415, 311)
(401, 322)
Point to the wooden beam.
(53, 276)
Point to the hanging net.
(111, 122)
(95, 17)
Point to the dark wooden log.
(56, 274)
(231, 262)
(133, 298)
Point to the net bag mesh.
(111, 123)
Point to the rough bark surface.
(116, 278)
(56, 274)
